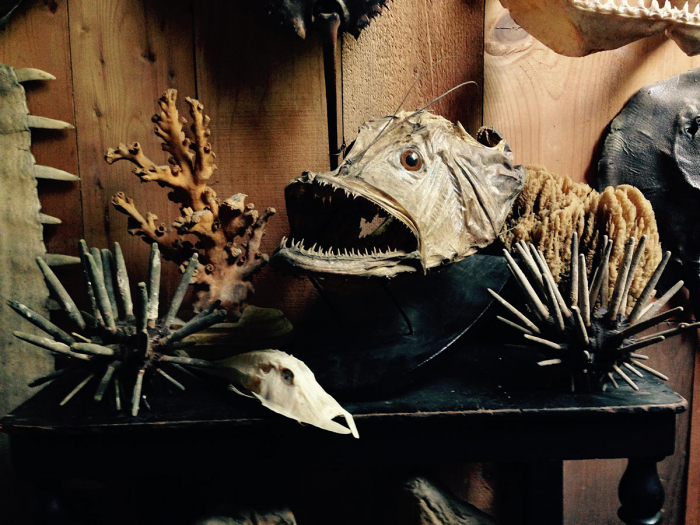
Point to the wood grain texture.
(125, 54)
(401, 44)
(265, 94)
(554, 111)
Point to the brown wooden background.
(265, 93)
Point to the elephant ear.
(686, 145)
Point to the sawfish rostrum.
(414, 192)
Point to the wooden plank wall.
(265, 94)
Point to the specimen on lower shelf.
(226, 233)
(584, 329)
(123, 340)
(580, 27)
(414, 192)
(551, 208)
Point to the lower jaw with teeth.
(344, 261)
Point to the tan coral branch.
(143, 227)
(169, 129)
(204, 157)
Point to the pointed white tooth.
(47, 172)
(345, 250)
(48, 219)
(686, 9)
(47, 123)
(29, 73)
(667, 6)
(655, 9)
(696, 11)
(313, 247)
(640, 4)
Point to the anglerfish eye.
(287, 376)
(411, 160)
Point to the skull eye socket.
(287, 376)
(411, 160)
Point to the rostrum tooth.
(48, 219)
(29, 73)
(47, 123)
(47, 172)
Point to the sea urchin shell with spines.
(118, 348)
(594, 344)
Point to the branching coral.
(551, 208)
(227, 234)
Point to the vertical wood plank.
(125, 53)
(399, 45)
(265, 94)
(554, 111)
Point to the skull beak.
(323, 420)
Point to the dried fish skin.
(415, 192)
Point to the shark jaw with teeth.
(414, 192)
(580, 27)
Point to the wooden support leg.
(641, 493)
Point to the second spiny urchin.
(587, 335)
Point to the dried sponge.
(551, 208)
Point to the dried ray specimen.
(581, 27)
(593, 344)
(117, 346)
(227, 233)
(414, 192)
(551, 208)
(300, 15)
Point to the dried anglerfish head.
(583, 330)
(285, 385)
(300, 15)
(581, 27)
(415, 192)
